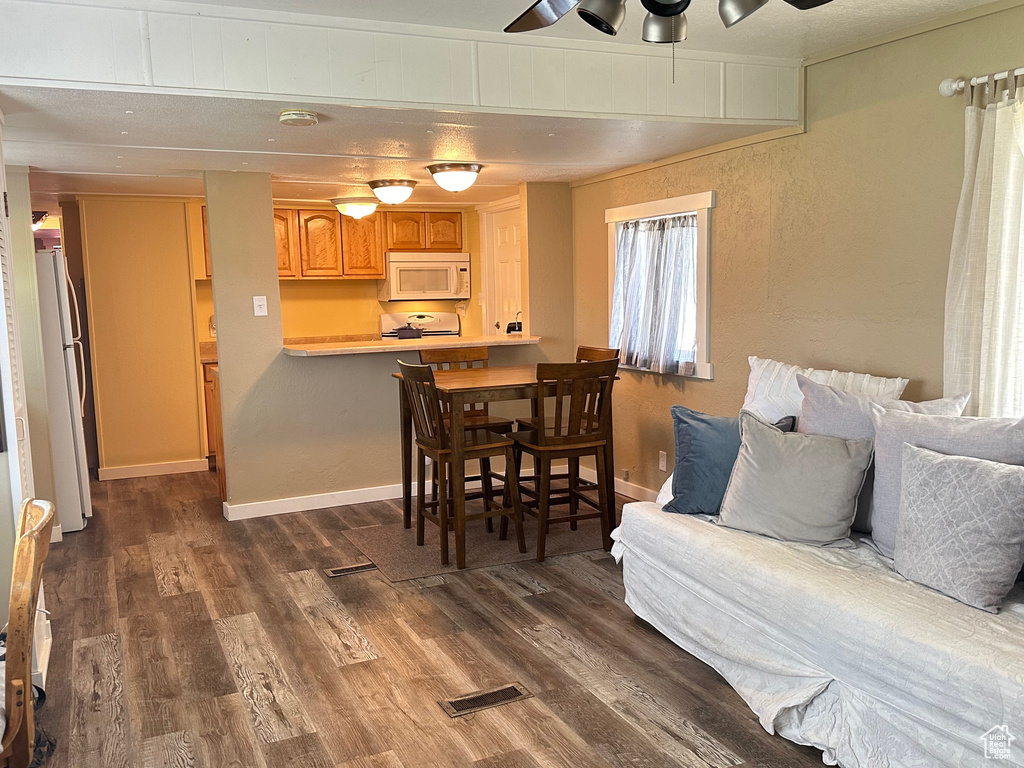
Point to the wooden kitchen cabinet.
(444, 231)
(362, 252)
(286, 239)
(211, 422)
(407, 231)
(320, 243)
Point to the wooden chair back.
(425, 403)
(458, 359)
(581, 404)
(30, 551)
(595, 354)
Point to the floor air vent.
(474, 702)
(347, 569)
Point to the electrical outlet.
(259, 306)
(663, 461)
(625, 475)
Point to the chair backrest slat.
(582, 400)
(426, 405)
(458, 359)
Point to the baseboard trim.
(152, 470)
(249, 510)
(622, 487)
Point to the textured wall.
(829, 249)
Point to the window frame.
(700, 205)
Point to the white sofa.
(830, 647)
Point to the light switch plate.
(663, 461)
(259, 306)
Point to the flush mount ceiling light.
(608, 15)
(603, 15)
(735, 11)
(664, 29)
(38, 217)
(356, 207)
(392, 191)
(455, 177)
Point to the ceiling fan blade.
(806, 5)
(542, 13)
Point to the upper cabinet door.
(406, 231)
(362, 251)
(287, 241)
(444, 231)
(320, 243)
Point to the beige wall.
(341, 307)
(138, 281)
(829, 249)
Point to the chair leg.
(441, 475)
(513, 500)
(488, 489)
(574, 481)
(421, 493)
(604, 498)
(543, 498)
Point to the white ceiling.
(102, 141)
(777, 29)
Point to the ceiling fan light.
(664, 29)
(455, 177)
(734, 11)
(392, 191)
(666, 7)
(603, 15)
(355, 207)
(806, 5)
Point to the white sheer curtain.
(984, 342)
(654, 304)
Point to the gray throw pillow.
(794, 487)
(835, 413)
(961, 526)
(999, 440)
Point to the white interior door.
(504, 271)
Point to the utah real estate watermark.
(997, 743)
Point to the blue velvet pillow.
(706, 449)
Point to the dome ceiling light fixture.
(355, 207)
(455, 177)
(392, 191)
(609, 15)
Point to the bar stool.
(580, 426)
(477, 415)
(433, 439)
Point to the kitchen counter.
(323, 349)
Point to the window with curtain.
(984, 335)
(654, 317)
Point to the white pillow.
(665, 494)
(773, 393)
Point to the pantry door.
(502, 263)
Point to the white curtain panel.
(984, 334)
(654, 304)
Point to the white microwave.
(419, 276)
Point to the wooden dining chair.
(433, 439)
(477, 415)
(580, 426)
(30, 550)
(583, 355)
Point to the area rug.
(392, 548)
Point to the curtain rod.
(951, 86)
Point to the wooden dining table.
(458, 387)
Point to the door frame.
(487, 299)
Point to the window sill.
(704, 372)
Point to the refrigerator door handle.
(74, 303)
(81, 368)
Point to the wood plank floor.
(183, 640)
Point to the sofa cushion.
(706, 448)
(772, 391)
(829, 411)
(794, 487)
(999, 440)
(961, 526)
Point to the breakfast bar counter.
(323, 349)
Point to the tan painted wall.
(829, 248)
(26, 307)
(141, 330)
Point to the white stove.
(431, 323)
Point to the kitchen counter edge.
(406, 345)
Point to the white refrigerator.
(65, 389)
